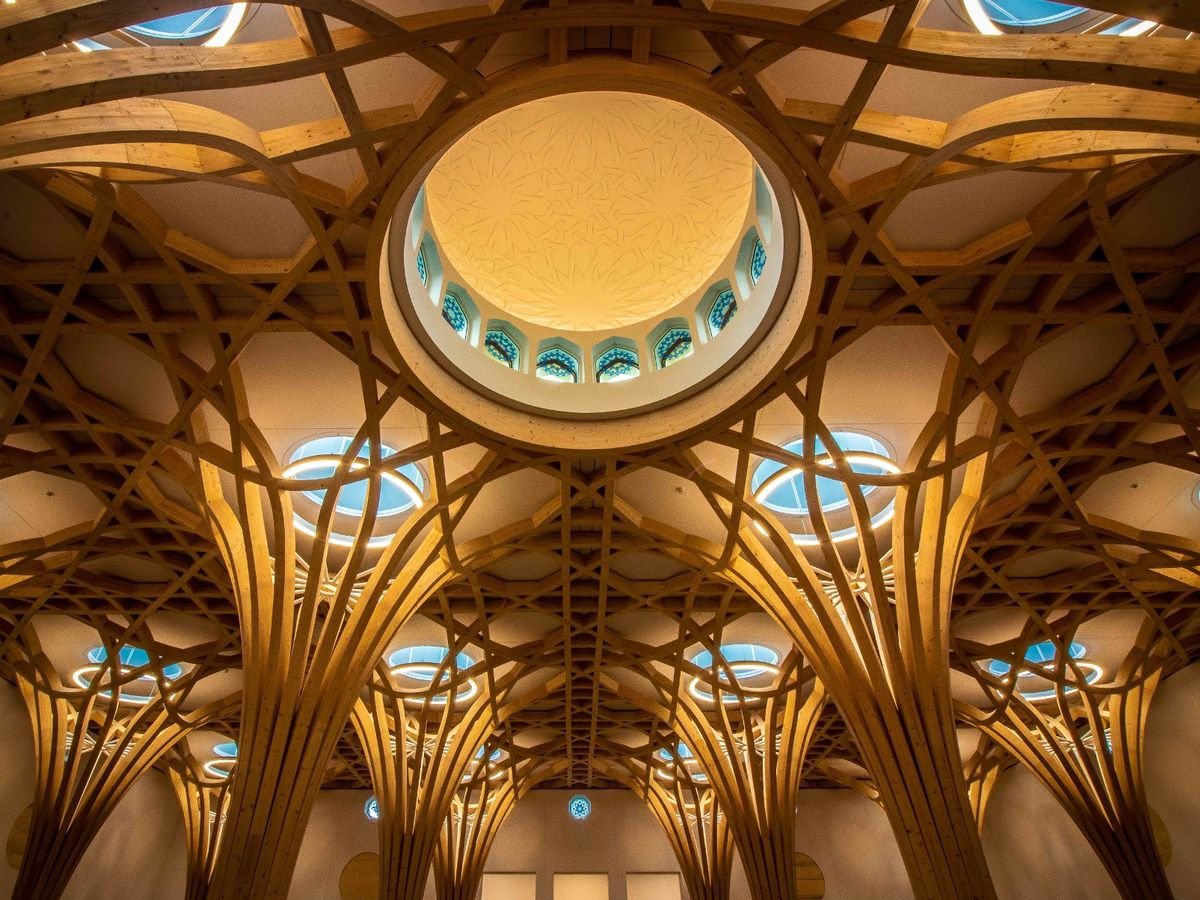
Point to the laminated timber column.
(203, 801)
(1084, 742)
(480, 807)
(876, 634)
(751, 748)
(90, 748)
(421, 748)
(690, 815)
(312, 629)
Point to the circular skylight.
(1018, 16)
(401, 488)
(580, 807)
(781, 488)
(223, 761)
(741, 670)
(420, 670)
(210, 26)
(139, 691)
(1040, 665)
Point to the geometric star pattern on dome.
(590, 211)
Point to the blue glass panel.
(723, 309)
(503, 349)
(1029, 13)
(422, 268)
(226, 749)
(580, 807)
(673, 346)
(352, 499)
(454, 315)
(556, 364)
(184, 26)
(788, 495)
(617, 364)
(758, 261)
(423, 660)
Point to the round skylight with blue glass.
(580, 807)
(223, 760)
(781, 487)
(138, 691)
(210, 26)
(401, 488)
(1020, 16)
(1039, 664)
(740, 670)
(423, 668)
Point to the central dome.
(590, 211)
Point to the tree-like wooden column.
(311, 632)
(875, 633)
(481, 805)
(421, 747)
(1084, 742)
(982, 770)
(686, 807)
(93, 737)
(751, 748)
(204, 802)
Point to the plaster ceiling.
(590, 211)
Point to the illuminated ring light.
(221, 766)
(1047, 16)
(215, 24)
(371, 809)
(423, 663)
(1038, 658)
(495, 772)
(780, 488)
(687, 761)
(399, 492)
(743, 661)
(580, 807)
(131, 658)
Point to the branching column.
(204, 803)
(92, 742)
(1084, 743)
(420, 750)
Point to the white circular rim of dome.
(532, 413)
(217, 36)
(131, 657)
(875, 457)
(422, 663)
(1069, 21)
(580, 807)
(743, 660)
(406, 485)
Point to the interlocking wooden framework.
(195, 489)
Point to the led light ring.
(1093, 673)
(985, 25)
(84, 675)
(395, 478)
(744, 694)
(415, 697)
(221, 37)
(221, 767)
(826, 461)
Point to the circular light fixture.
(225, 758)
(1039, 659)
(130, 658)
(371, 809)
(580, 807)
(780, 488)
(318, 459)
(424, 664)
(744, 662)
(684, 758)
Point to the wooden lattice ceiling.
(150, 376)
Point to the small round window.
(780, 488)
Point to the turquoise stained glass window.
(758, 261)
(455, 315)
(674, 345)
(617, 364)
(723, 309)
(556, 364)
(503, 349)
(422, 267)
(1029, 13)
